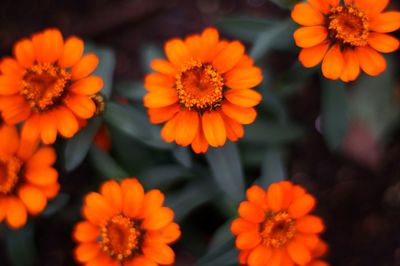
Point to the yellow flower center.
(121, 237)
(277, 229)
(10, 167)
(199, 87)
(348, 25)
(43, 85)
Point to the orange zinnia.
(48, 85)
(27, 178)
(125, 227)
(203, 91)
(275, 227)
(345, 36)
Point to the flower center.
(277, 229)
(348, 25)
(121, 237)
(199, 87)
(44, 85)
(10, 167)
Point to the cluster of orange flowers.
(204, 94)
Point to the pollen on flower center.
(348, 25)
(121, 237)
(44, 85)
(199, 87)
(277, 229)
(10, 167)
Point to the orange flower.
(27, 178)
(203, 91)
(48, 85)
(345, 36)
(125, 227)
(102, 138)
(275, 227)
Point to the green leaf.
(183, 156)
(21, 246)
(56, 205)
(135, 124)
(133, 90)
(286, 4)
(272, 133)
(244, 28)
(335, 113)
(280, 36)
(105, 164)
(273, 167)
(77, 147)
(106, 66)
(228, 258)
(190, 197)
(148, 53)
(161, 176)
(226, 168)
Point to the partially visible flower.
(27, 178)
(203, 91)
(48, 85)
(345, 36)
(275, 227)
(102, 138)
(125, 226)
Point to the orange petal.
(234, 130)
(133, 194)
(38, 46)
(52, 45)
(152, 201)
(256, 195)
(306, 37)
(214, 128)
(72, 52)
(186, 127)
(159, 115)
(170, 233)
(112, 193)
(9, 85)
(200, 144)
(34, 200)
(30, 129)
(321, 5)
(9, 139)
(243, 256)
(87, 86)
(159, 252)
(372, 7)
(333, 63)
(275, 197)
(287, 189)
(248, 240)
(86, 251)
(351, 68)
(98, 205)
(50, 191)
(298, 252)
(86, 232)
(23, 51)
(277, 258)
(177, 52)
(228, 57)
(16, 113)
(11, 67)
(385, 22)
(163, 66)
(301, 206)
(44, 156)
(66, 122)
(157, 81)
(158, 219)
(85, 66)
(310, 224)
(310, 57)
(41, 176)
(81, 105)
(244, 98)
(383, 43)
(243, 78)
(259, 256)
(16, 215)
(372, 62)
(240, 225)
(193, 44)
(208, 43)
(306, 15)
(140, 261)
(243, 115)
(160, 98)
(48, 128)
(168, 131)
(251, 212)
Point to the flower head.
(275, 227)
(345, 36)
(27, 178)
(47, 85)
(203, 91)
(125, 226)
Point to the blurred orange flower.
(48, 85)
(275, 227)
(27, 178)
(203, 91)
(103, 139)
(125, 226)
(345, 36)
